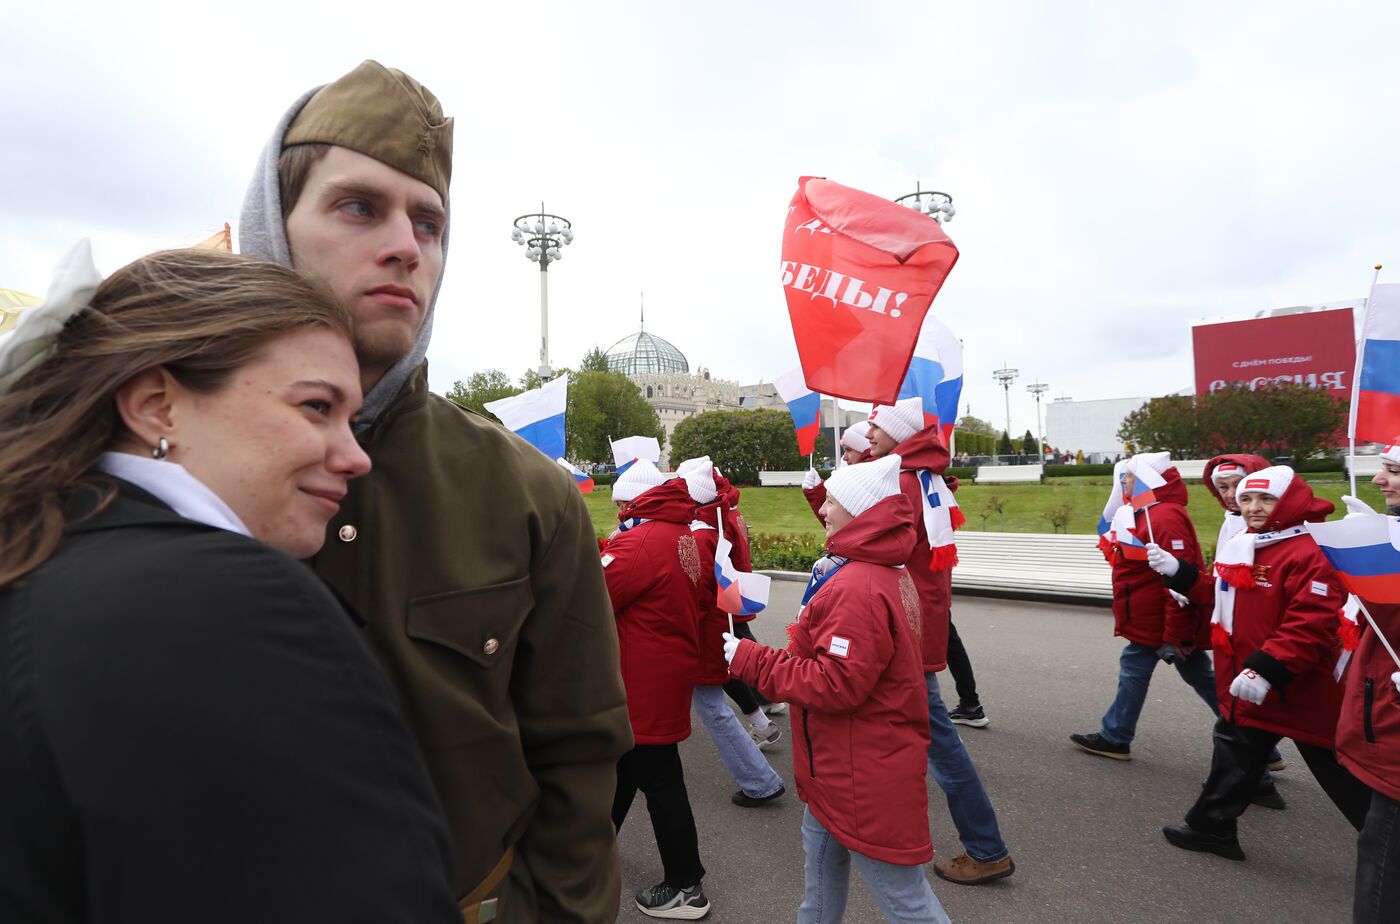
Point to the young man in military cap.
(470, 555)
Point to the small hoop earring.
(162, 450)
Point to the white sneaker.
(775, 708)
(765, 738)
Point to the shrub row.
(783, 552)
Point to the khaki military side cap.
(385, 114)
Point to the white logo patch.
(1178, 545)
(1319, 588)
(607, 560)
(839, 646)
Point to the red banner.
(1316, 348)
(859, 273)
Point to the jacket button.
(491, 646)
(348, 533)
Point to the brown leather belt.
(476, 907)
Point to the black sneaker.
(1188, 838)
(1098, 744)
(972, 716)
(1267, 796)
(667, 901)
(745, 800)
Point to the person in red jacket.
(900, 430)
(853, 669)
(1158, 625)
(652, 567)
(738, 750)
(855, 448)
(1368, 739)
(1276, 645)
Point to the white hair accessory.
(75, 279)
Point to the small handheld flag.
(1365, 553)
(738, 593)
(1146, 481)
(581, 478)
(631, 448)
(805, 406)
(537, 416)
(1131, 547)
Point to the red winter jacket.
(714, 622)
(652, 571)
(1285, 630)
(1368, 731)
(1144, 610)
(926, 450)
(852, 670)
(1196, 583)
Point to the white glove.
(731, 645)
(1250, 687)
(1395, 679)
(1159, 561)
(811, 479)
(1357, 508)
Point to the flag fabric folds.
(859, 273)
(582, 479)
(738, 593)
(537, 416)
(1129, 545)
(631, 448)
(1375, 402)
(1365, 553)
(805, 406)
(935, 375)
(1146, 481)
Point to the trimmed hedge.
(1069, 471)
(602, 479)
(784, 553)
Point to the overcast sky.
(1120, 169)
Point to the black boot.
(1188, 838)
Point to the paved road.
(1084, 831)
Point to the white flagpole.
(1379, 634)
(1147, 512)
(1355, 389)
(719, 528)
(835, 431)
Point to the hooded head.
(368, 160)
(1223, 473)
(1276, 498)
(640, 477)
(853, 490)
(699, 477)
(899, 421)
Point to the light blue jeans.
(1135, 668)
(954, 773)
(902, 892)
(737, 750)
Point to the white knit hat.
(1391, 454)
(862, 486)
(1271, 481)
(1227, 470)
(637, 479)
(699, 475)
(901, 420)
(1159, 462)
(855, 436)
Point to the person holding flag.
(853, 667)
(738, 750)
(1158, 625)
(652, 568)
(1275, 635)
(900, 430)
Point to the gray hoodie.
(261, 234)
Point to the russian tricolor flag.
(631, 448)
(1129, 545)
(935, 375)
(537, 416)
(1375, 403)
(738, 593)
(1365, 553)
(805, 406)
(581, 478)
(1146, 481)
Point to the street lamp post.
(1005, 376)
(1038, 389)
(544, 237)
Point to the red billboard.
(1316, 348)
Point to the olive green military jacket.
(472, 558)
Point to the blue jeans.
(737, 750)
(902, 892)
(952, 769)
(1135, 668)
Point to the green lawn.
(785, 511)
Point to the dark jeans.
(745, 697)
(655, 769)
(1237, 765)
(1377, 896)
(961, 669)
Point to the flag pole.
(835, 430)
(1355, 390)
(1147, 512)
(1379, 634)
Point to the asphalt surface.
(1084, 831)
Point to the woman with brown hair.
(190, 726)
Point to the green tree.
(481, 387)
(1167, 424)
(1006, 448)
(1030, 445)
(603, 405)
(976, 425)
(1277, 419)
(741, 443)
(595, 360)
